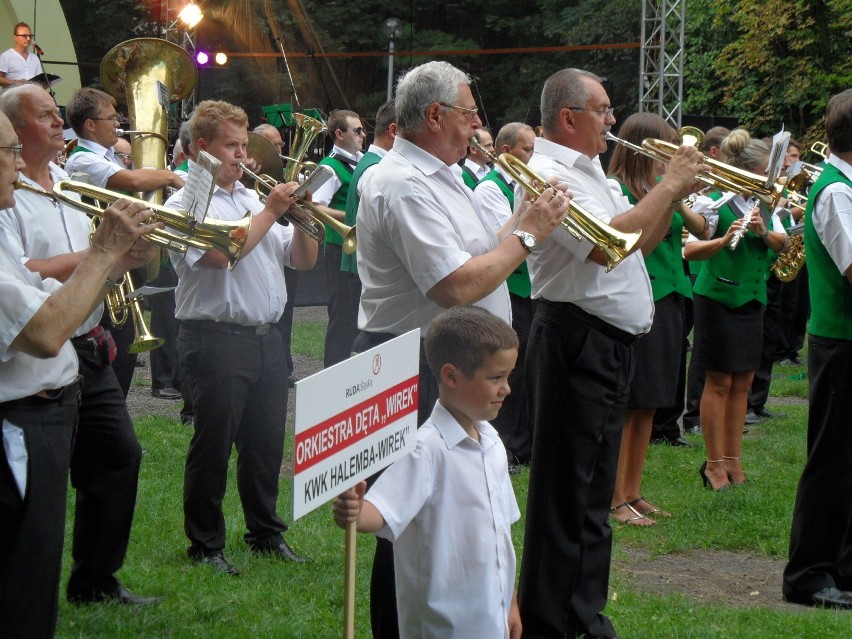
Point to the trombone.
(313, 225)
(615, 245)
(225, 236)
(721, 176)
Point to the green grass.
(308, 339)
(272, 599)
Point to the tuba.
(579, 223)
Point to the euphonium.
(691, 136)
(721, 176)
(307, 128)
(313, 225)
(615, 245)
(225, 236)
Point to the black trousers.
(665, 424)
(104, 472)
(238, 386)
(821, 535)
(32, 530)
(796, 309)
(165, 371)
(344, 296)
(384, 621)
(512, 423)
(285, 324)
(773, 321)
(578, 380)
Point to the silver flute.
(740, 232)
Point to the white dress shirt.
(832, 217)
(98, 164)
(326, 192)
(22, 294)
(559, 267)
(251, 294)
(448, 508)
(417, 223)
(493, 204)
(369, 170)
(39, 227)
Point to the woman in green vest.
(658, 354)
(730, 294)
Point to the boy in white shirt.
(449, 505)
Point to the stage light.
(201, 58)
(221, 58)
(190, 15)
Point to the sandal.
(631, 521)
(652, 511)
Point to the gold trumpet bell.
(144, 341)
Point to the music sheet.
(198, 188)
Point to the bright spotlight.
(202, 58)
(221, 58)
(190, 15)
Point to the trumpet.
(120, 303)
(225, 236)
(579, 222)
(721, 176)
(313, 225)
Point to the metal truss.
(178, 33)
(661, 59)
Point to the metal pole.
(390, 70)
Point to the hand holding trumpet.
(682, 171)
(547, 212)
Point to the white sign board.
(354, 419)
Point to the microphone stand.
(38, 53)
(280, 41)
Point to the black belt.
(225, 327)
(64, 395)
(594, 322)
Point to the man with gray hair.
(421, 244)
(579, 361)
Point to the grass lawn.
(272, 599)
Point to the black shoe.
(291, 380)
(753, 418)
(187, 420)
(824, 598)
(692, 430)
(672, 441)
(762, 413)
(120, 595)
(514, 468)
(215, 560)
(166, 393)
(280, 551)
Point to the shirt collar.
(93, 146)
(340, 151)
(377, 150)
(424, 161)
(453, 434)
(844, 167)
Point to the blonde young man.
(230, 355)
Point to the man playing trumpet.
(230, 354)
(54, 238)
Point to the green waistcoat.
(519, 281)
(468, 176)
(734, 278)
(348, 263)
(665, 262)
(831, 291)
(338, 202)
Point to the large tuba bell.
(615, 245)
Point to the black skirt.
(727, 339)
(657, 356)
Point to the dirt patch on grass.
(706, 577)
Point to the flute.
(740, 232)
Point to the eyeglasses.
(118, 119)
(467, 112)
(358, 130)
(604, 111)
(15, 150)
(122, 155)
(25, 35)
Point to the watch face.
(529, 242)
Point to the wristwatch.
(528, 240)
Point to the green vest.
(344, 171)
(348, 263)
(519, 281)
(831, 291)
(734, 278)
(665, 262)
(468, 176)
